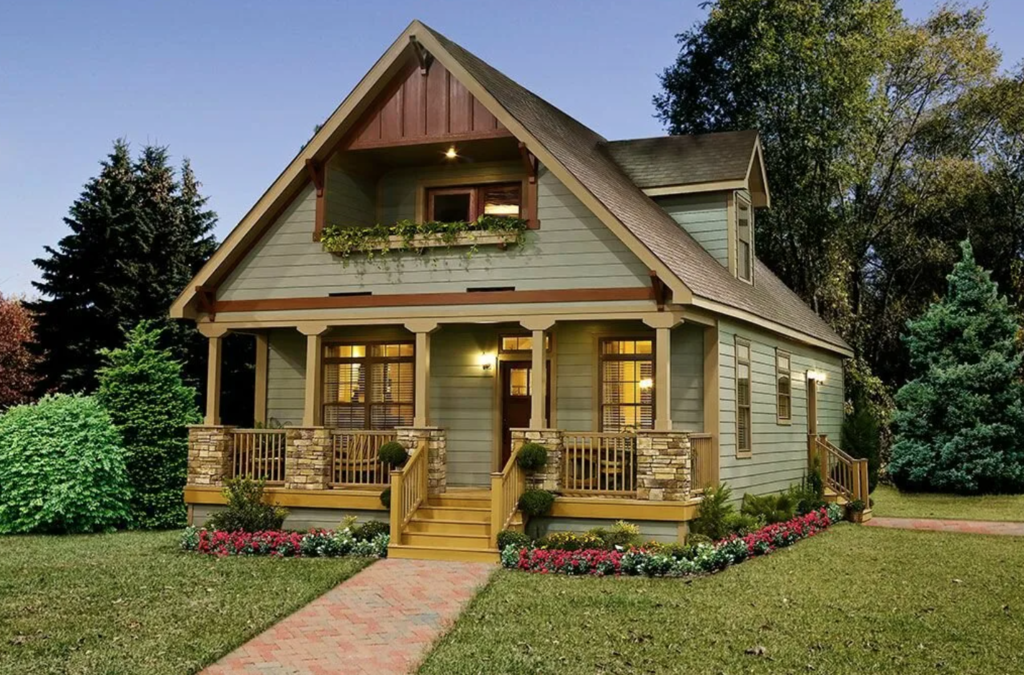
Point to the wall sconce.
(646, 383)
(816, 375)
(451, 153)
(486, 361)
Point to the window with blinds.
(626, 384)
(744, 240)
(743, 395)
(783, 387)
(368, 385)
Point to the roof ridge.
(669, 136)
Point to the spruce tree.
(959, 422)
(142, 390)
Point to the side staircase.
(845, 478)
(455, 525)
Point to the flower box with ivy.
(407, 235)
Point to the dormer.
(710, 184)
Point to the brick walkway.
(935, 525)
(383, 620)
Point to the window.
(368, 386)
(468, 202)
(783, 387)
(521, 343)
(743, 431)
(626, 384)
(744, 240)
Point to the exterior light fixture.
(816, 375)
(646, 383)
(450, 153)
(486, 361)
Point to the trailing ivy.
(375, 240)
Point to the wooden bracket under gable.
(316, 176)
(530, 164)
(207, 299)
(424, 57)
(661, 291)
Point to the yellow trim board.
(360, 500)
(624, 509)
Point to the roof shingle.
(685, 160)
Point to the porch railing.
(408, 490)
(599, 464)
(356, 458)
(507, 486)
(258, 454)
(702, 462)
(845, 475)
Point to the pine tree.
(959, 422)
(142, 390)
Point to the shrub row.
(656, 560)
(279, 543)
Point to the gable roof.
(580, 158)
(685, 160)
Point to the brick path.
(383, 620)
(935, 525)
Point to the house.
(602, 298)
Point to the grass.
(851, 600)
(132, 603)
(895, 504)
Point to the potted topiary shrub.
(532, 457)
(393, 454)
(855, 511)
(534, 503)
(385, 498)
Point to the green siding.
(572, 249)
(649, 529)
(704, 216)
(286, 377)
(779, 457)
(687, 370)
(349, 200)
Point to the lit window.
(469, 202)
(521, 343)
(627, 385)
(368, 386)
(743, 420)
(744, 240)
(783, 386)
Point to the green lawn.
(891, 502)
(132, 603)
(852, 600)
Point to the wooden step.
(447, 540)
(467, 513)
(433, 553)
(438, 526)
(459, 501)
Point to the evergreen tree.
(861, 435)
(959, 422)
(142, 390)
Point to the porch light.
(486, 361)
(646, 383)
(816, 375)
(451, 153)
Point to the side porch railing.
(356, 461)
(506, 488)
(409, 486)
(845, 475)
(258, 454)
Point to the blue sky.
(237, 87)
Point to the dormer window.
(466, 203)
(744, 240)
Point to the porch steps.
(452, 526)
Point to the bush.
(571, 541)
(532, 456)
(694, 539)
(810, 494)
(315, 543)
(393, 454)
(535, 503)
(61, 468)
(742, 523)
(370, 530)
(861, 436)
(621, 534)
(246, 510)
(508, 538)
(142, 390)
(713, 512)
(385, 498)
(771, 509)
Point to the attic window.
(469, 202)
(744, 239)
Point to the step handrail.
(507, 486)
(844, 474)
(409, 486)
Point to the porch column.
(421, 408)
(312, 413)
(215, 356)
(663, 323)
(262, 357)
(538, 372)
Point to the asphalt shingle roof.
(590, 158)
(685, 160)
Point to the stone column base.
(209, 454)
(437, 453)
(663, 465)
(308, 459)
(549, 477)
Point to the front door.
(515, 402)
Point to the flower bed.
(656, 561)
(312, 544)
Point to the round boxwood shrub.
(534, 503)
(393, 454)
(369, 530)
(508, 538)
(385, 498)
(532, 456)
(62, 468)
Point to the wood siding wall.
(779, 457)
(349, 200)
(573, 249)
(704, 216)
(286, 377)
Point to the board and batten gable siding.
(779, 452)
(572, 249)
(705, 217)
(576, 363)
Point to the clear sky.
(237, 87)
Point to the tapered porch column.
(421, 407)
(538, 371)
(215, 357)
(663, 323)
(312, 413)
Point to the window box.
(422, 241)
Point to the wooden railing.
(703, 464)
(507, 486)
(356, 460)
(258, 454)
(843, 474)
(408, 490)
(599, 464)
